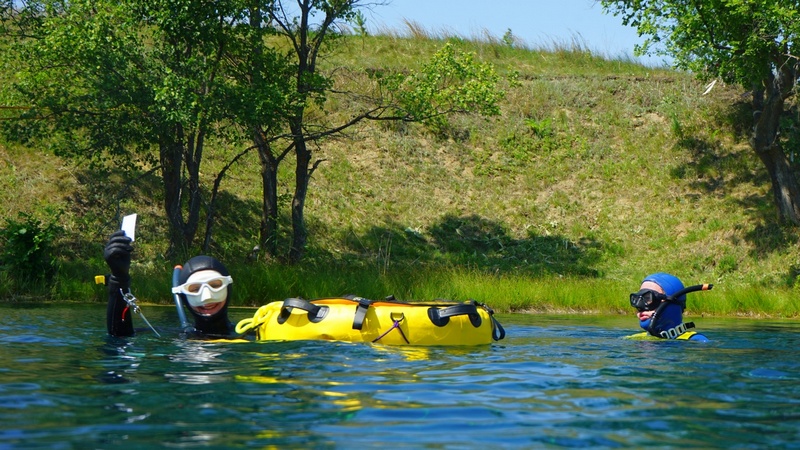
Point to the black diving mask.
(647, 300)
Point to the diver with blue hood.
(660, 303)
(202, 286)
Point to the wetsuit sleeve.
(118, 315)
(117, 254)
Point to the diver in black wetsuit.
(203, 287)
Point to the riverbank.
(257, 285)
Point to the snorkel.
(185, 325)
(667, 319)
(684, 291)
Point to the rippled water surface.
(554, 382)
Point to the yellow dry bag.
(356, 319)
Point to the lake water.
(554, 382)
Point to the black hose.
(686, 290)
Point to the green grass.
(597, 173)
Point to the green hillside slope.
(597, 173)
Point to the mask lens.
(646, 300)
(193, 288)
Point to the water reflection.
(198, 362)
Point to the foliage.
(740, 41)
(753, 43)
(153, 83)
(360, 23)
(149, 86)
(450, 83)
(27, 251)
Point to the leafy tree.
(261, 94)
(753, 43)
(118, 79)
(447, 85)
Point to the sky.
(538, 23)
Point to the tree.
(448, 84)
(753, 43)
(118, 79)
(171, 74)
(265, 94)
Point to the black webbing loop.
(441, 316)
(315, 312)
(361, 311)
(498, 332)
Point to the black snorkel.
(672, 330)
(697, 287)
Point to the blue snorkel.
(185, 325)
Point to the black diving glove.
(118, 257)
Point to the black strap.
(656, 317)
(498, 332)
(441, 316)
(315, 312)
(361, 311)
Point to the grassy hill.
(596, 173)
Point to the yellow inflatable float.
(357, 319)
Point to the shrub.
(26, 251)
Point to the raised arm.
(117, 254)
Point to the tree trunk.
(171, 155)
(268, 233)
(302, 176)
(784, 184)
(766, 144)
(177, 153)
(193, 155)
(268, 230)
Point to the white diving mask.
(204, 287)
